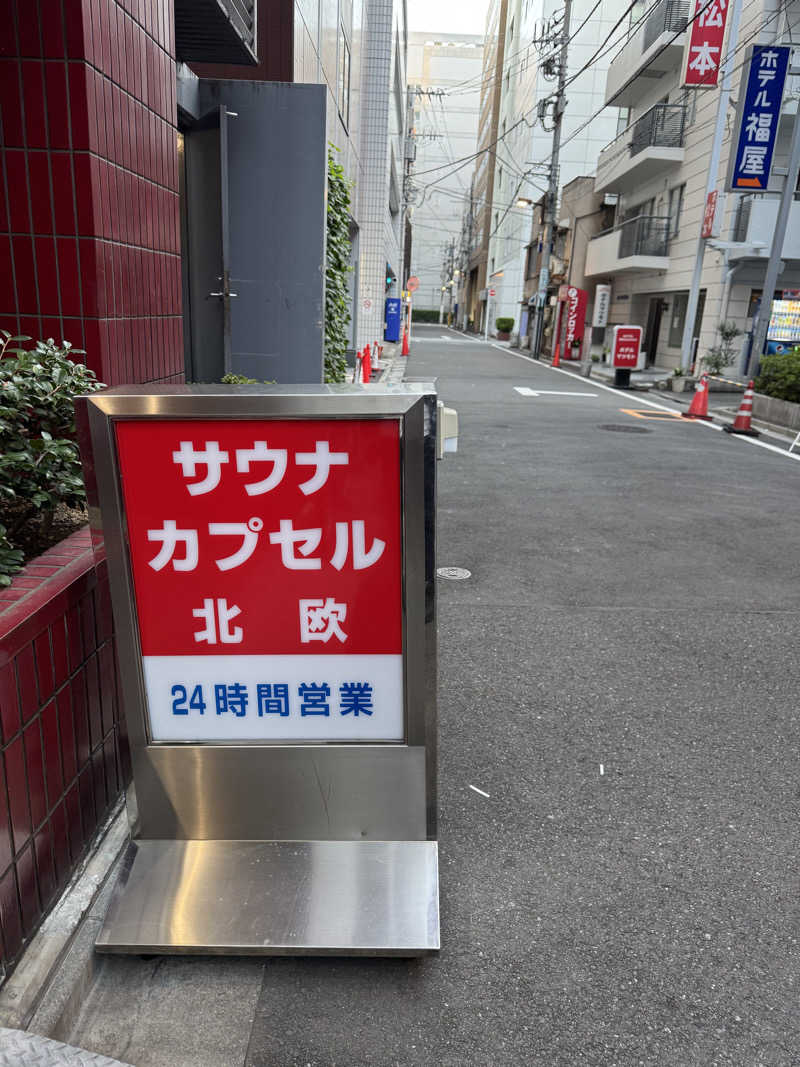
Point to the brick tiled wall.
(89, 212)
(63, 752)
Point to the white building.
(444, 79)
(358, 49)
(523, 151)
(659, 167)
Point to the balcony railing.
(646, 235)
(669, 16)
(741, 225)
(660, 127)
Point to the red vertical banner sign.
(576, 303)
(266, 559)
(704, 46)
(709, 215)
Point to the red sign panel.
(412, 284)
(577, 300)
(704, 48)
(627, 342)
(266, 554)
(709, 214)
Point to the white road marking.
(475, 789)
(523, 390)
(651, 404)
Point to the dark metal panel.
(277, 175)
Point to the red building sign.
(709, 215)
(627, 342)
(576, 301)
(704, 48)
(266, 559)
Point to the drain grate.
(616, 427)
(457, 574)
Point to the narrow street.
(619, 675)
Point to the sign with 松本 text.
(266, 558)
(704, 46)
(759, 114)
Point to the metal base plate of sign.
(280, 708)
(346, 898)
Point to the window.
(344, 79)
(674, 210)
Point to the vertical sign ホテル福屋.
(704, 46)
(627, 342)
(758, 118)
(267, 569)
(576, 301)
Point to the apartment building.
(478, 214)
(444, 78)
(658, 165)
(527, 85)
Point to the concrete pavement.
(620, 676)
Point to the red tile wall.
(63, 749)
(89, 212)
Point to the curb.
(47, 988)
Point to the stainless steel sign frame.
(265, 847)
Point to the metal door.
(206, 238)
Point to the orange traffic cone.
(365, 367)
(741, 424)
(698, 409)
(405, 341)
(557, 357)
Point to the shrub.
(780, 377)
(722, 354)
(504, 325)
(40, 466)
(424, 314)
(337, 267)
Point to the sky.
(447, 16)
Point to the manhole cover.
(456, 574)
(616, 427)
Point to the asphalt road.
(620, 675)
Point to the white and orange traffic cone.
(557, 357)
(741, 424)
(365, 367)
(698, 409)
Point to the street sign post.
(272, 595)
(625, 349)
(758, 117)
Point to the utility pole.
(551, 196)
(687, 340)
(762, 318)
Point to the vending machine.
(784, 324)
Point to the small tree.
(337, 267)
(723, 353)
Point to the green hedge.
(424, 315)
(504, 325)
(780, 376)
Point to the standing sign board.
(577, 300)
(704, 44)
(602, 304)
(271, 566)
(758, 117)
(394, 316)
(626, 345)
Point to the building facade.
(444, 79)
(527, 86)
(658, 166)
